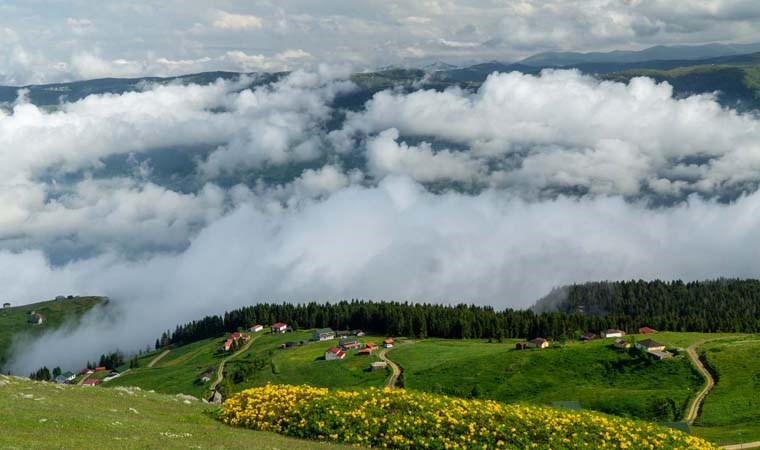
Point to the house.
(622, 343)
(589, 337)
(334, 353)
(348, 343)
(358, 333)
(279, 327)
(235, 336)
(86, 371)
(366, 351)
(343, 333)
(648, 345)
(60, 298)
(371, 345)
(6, 305)
(37, 318)
(206, 378)
(91, 382)
(228, 345)
(388, 343)
(70, 376)
(521, 346)
(647, 330)
(660, 354)
(60, 379)
(256, 328)
(121, 369)
(245, 336)
(538, 343)
(612, 333)
(323, 334)
(378, 365)
(100, 369)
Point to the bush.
(411, 420)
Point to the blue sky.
(47, 41)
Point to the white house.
(612, 333)
(256, 328)
(648, 345)
(279, 327)
(323, 334)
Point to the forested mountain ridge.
(709, 306)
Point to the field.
(264, 362)
(731, 412)
(14, 321)
(43, 415)
(594, 374)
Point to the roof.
(364, 351)
(612, 330)
(389, 341)
(538, 340)
(348, 340)
(370, 345)
(335, 350)
(648, 343)
(68, 374)
(645, 330)
(279, 325)
(235, 334)
(324, 330)
(91, 381)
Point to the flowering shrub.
(412, 420)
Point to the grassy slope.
(43, 415)
(594, 374)
(179, 370)
(14, 320)
(731, 412)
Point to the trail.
(395, 370)
(81, 382)
(697, 402)
(157, 358)
(747, 445)
(220, 370)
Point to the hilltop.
(15, 320)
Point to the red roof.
(235, 335)
(364, 351)
(646, 330)
(91, 381)
(335, 350)
(370, 345)
(389, 341)
(100, 369)
(279, 325)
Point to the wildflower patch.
(411, 420)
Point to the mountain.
(660, 52)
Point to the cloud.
(229, 21)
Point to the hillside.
(14, 321)
(43, 415)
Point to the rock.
(187, 397)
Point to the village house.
(342, 333)
(60, 379)
(290, 344)
(37, 318)
(622, 343)
(612, 333)
(91, 382)
(647, 330)
(657, 354)
(100, 369)
(256, 328)
(538, 343)
(245, 336)
(364, 352)
(228, 345)
(6, 305)
(334, 353)
(378, 365)
(279, 327)
(358, 333)
(648, 345)
(70, 376)
(323, 334)
(206, 378)
(86, 371)
(348, 343)
(388, 343)
(589, 337)
(521, 346)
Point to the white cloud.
(229, 21)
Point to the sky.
(182, 200)
(45, 41)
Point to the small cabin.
(649, 345)
(256, 328)
(612, 333)
(334, 353)
(647, 330)
(538, 343)
(6, 305)
(279, 327)
(378, 365)
(322, 334)
(388, 343)
(521, 346)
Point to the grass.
(731, 412)
(14, 321)
(43, 415)
(599, 377)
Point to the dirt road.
(157, 358)
(697, 402)
(220, 370)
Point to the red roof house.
(235, 335)
(333, 353)
(91, 382)
(227, 345)
(388, 343)
(279, 327)
(100, 369)
(647, 330)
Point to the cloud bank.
(274, 193)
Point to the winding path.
(157, 358)
(395, 369)
(220, 370)
(747, 445)
(697, 402)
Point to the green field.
(594, 374)
(14, 321)
(731, 412)
(43, 415)
(264, 362)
